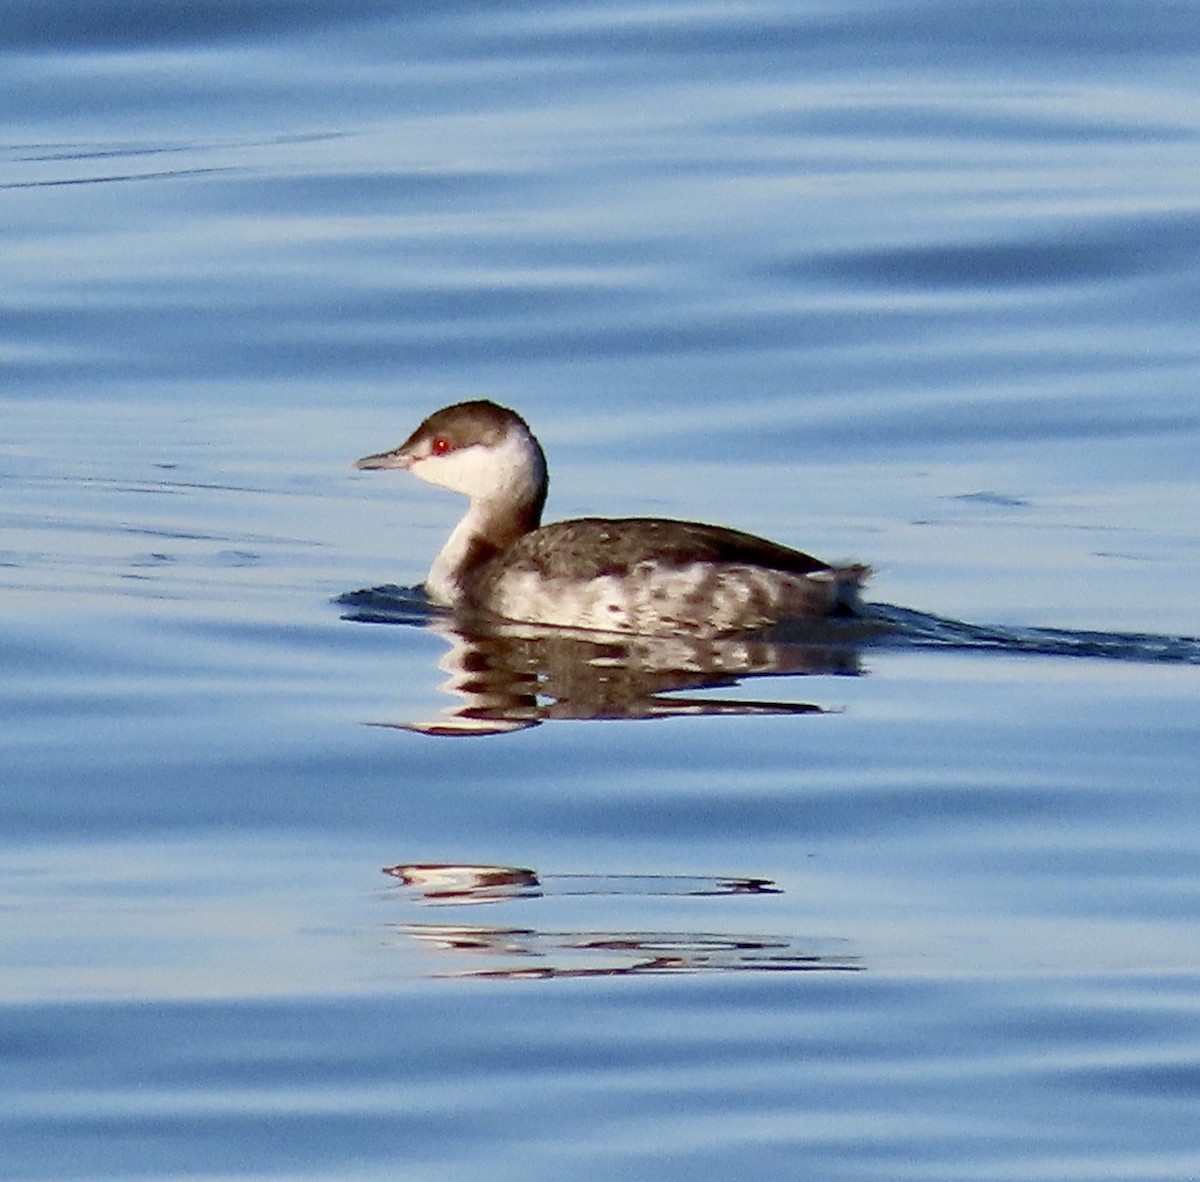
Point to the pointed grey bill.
(396, 458)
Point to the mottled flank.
(659, 577)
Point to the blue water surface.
(914, 284)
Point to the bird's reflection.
(443, 882)
(511, 951)
(510, 676)
(533, 953)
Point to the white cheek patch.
(482, 472)
(464, 471)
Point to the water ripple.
(913, 629)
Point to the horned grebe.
(642, 575)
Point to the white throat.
(447, 581)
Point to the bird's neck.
(489, 528)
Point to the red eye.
(440, 446)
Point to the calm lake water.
(910, 283)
